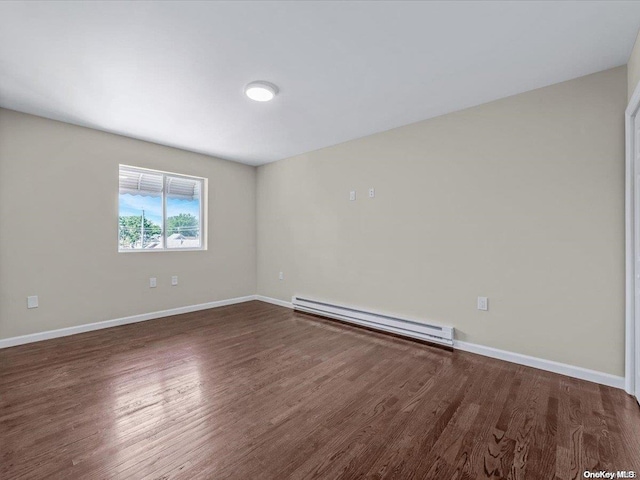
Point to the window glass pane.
(140, 210)
(183, 212)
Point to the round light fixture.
(261, 91)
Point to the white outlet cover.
(483, 303)
(174, 280)
(32, 301)
(352, 195)
(372, 192)
(281, 276)
(153, 283)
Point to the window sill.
(158, 250)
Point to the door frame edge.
(630, 327)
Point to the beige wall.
(633, 68)
(61, 243)
(520, 200)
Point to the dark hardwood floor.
(255, 391)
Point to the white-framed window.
(160, 211)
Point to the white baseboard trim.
(274, 301)
(542, 364)
(63, 332)
(512, 357)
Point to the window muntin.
(159, 211)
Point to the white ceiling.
(173, 72)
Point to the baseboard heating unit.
(400, 326)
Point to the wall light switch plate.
(174, 280)
(281, 276)
(352, 195)
(32, 301)
(483, 303)
(153, 282)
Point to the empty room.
(319, 239)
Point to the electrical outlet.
(352, 195)
(32, 301)
(153, 282)
(483, 303)
(174, 280)
(372, 192)
(281, 276)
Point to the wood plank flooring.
(256, 391)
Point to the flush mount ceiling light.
(261, 91)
